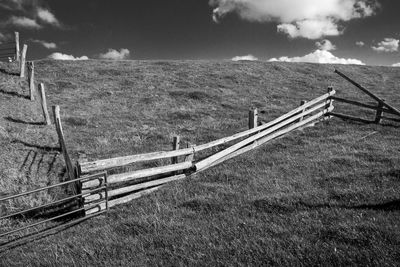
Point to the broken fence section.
(126, 186)
(380, 108)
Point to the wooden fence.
(381, 106)
(100, 184)
(126, 186)
(10, 52)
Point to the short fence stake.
(329, 103)
(17, 52)
(23, 59)
(175, 146)
(43, 103)
(302, 102)
(253, 118)
(379, 112)
(190, 156)
(31, 79)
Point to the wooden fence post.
(379, 113)
(31, 79)
(23, 60)
(302, 102)
(61, 140)
(43, 103)
(175, 146)
(329, 104)
(189, 157)
(17, 52)
(253, 118)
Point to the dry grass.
(325, 195)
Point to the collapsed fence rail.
(97, 190)
(381, 107)
(126, 186)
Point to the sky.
(321, 31)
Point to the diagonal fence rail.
(380, 108)
(128, 185)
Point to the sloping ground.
(325, 195)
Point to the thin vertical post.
(189, 157)
(379, 113)
(17, 52)
(253, 118)
(302, 102)
(43, 103)
(31, 79)
(23, 60)
(329, 103)
(61, 140)
(175, 146)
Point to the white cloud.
(113, 54)
(24, 22)
(319, 56)
(310, 29)
(387, 45)
(396, 65)
(59, 56)
(47, 17)
(325, 45)
(310, 19)
(247, 58)
(48, 45)
(360, 43)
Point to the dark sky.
(184, 29)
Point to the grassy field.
(327, 195)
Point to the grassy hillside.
(324, 195)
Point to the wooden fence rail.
(130, 185)
(381, 107)
(99, 165)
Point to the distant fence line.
(95, 189)
(10, 52)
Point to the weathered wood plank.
(43, 103)
(348, 117)
(61, 140)
(129, 176)
(17, 51)
(253, 118)
(31, 79)
(175, 146)
(369, 93)
(121, 161)
(390, 119)
(304, 123)
(202, 164)
(111, 203)
(23, 61)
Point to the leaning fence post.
(31, 79)
(253, 118)
(17, 52)
(61, 140)
(379, 113)
(302, 102)
(23, 59)
(329, 102)
(43, 103)
(175, 146)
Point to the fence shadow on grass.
(44, 148)
(23, 122)
(9, 73)
(13, 94)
